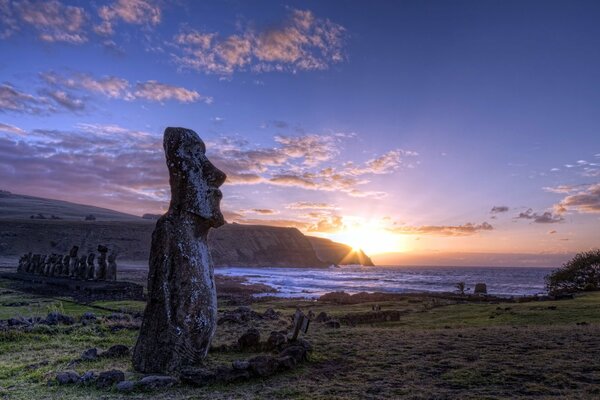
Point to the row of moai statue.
(72, 265)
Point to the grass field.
(437, 350)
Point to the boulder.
(152, 382)
(250, 339)
(67, 377)
(332, 323)
(263, 365)
(298, 353)
(322, 317)
(271, 314)
(88, 378)
(126, 386)
(480, 288)
(240, 364)
(286, 363)
(108, 378)
(276, 340)
(55, 318)
(89, 354)
(118, 350)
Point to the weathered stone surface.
(332, 323)
(88, 378)
(55, 318)
(67, 377)
(118, 350)
(152, 382)
(298, 353)
(263, 365)
(286, 362)
(126, 386)
(108, 378)
(322, 317)
(480, 288)
(250, 339)
(180, 317)
(89, 354)
(240, 364)
(276, 340)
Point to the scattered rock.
(286, 363)
(108, 378)
(88, 378)
(118, 350)
(152, 382)
(298, 353)
(250, 339)
(67, 377)
(276, 340)
(263, 365)
(480, 288)
(271, 314)
(87, 317)
(33, 367)
(55, 318)
(89, 354)
(322, 317)
(332, 323)
(240, 364)
(126, 386)
(197, 376)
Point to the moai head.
(194, 179)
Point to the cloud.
(444, 230)
(156, 91)
(262, 211)
(11, 129)
(11, 99)
(297, 161)
(301, 42)
(117, 167)
(52, 20)
(499, 209)
(137, 12)
(331, 224)
(545, 218)
(66, 100)
(586, 200)
(310, 205)
(119, 88)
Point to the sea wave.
(303, 282)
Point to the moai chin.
(180, 317)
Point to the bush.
(580, 274)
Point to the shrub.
(581, 273)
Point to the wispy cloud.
(302, 42)
(443, 230)
(499, 209)
(138, 12)
(52, 20)
(310, 205)
(120, 88)
(7, 128)
(586, 200)
(12, 99)
(544, 218)
(299, 162)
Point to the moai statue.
(74, 261)
(39, 270)
(35, 261)
(111, 269)
(24, 263)
(180, 318)
(90, 270)
(29, 264)
(101, 273)
(48, 265)
(66, 260)
(82, 267)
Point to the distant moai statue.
(111, 270)
(82, 267)
(47, 265)
(102, 265)
(66, 260)
(90, 266)
(74, 261)
(39, 270)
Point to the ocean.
(312, 283)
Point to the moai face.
(194, 179)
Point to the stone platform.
(80, 289)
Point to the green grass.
(437, 350)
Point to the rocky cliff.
(337, 253)
(232, 244)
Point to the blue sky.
(394, 126)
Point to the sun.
(369, 237)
